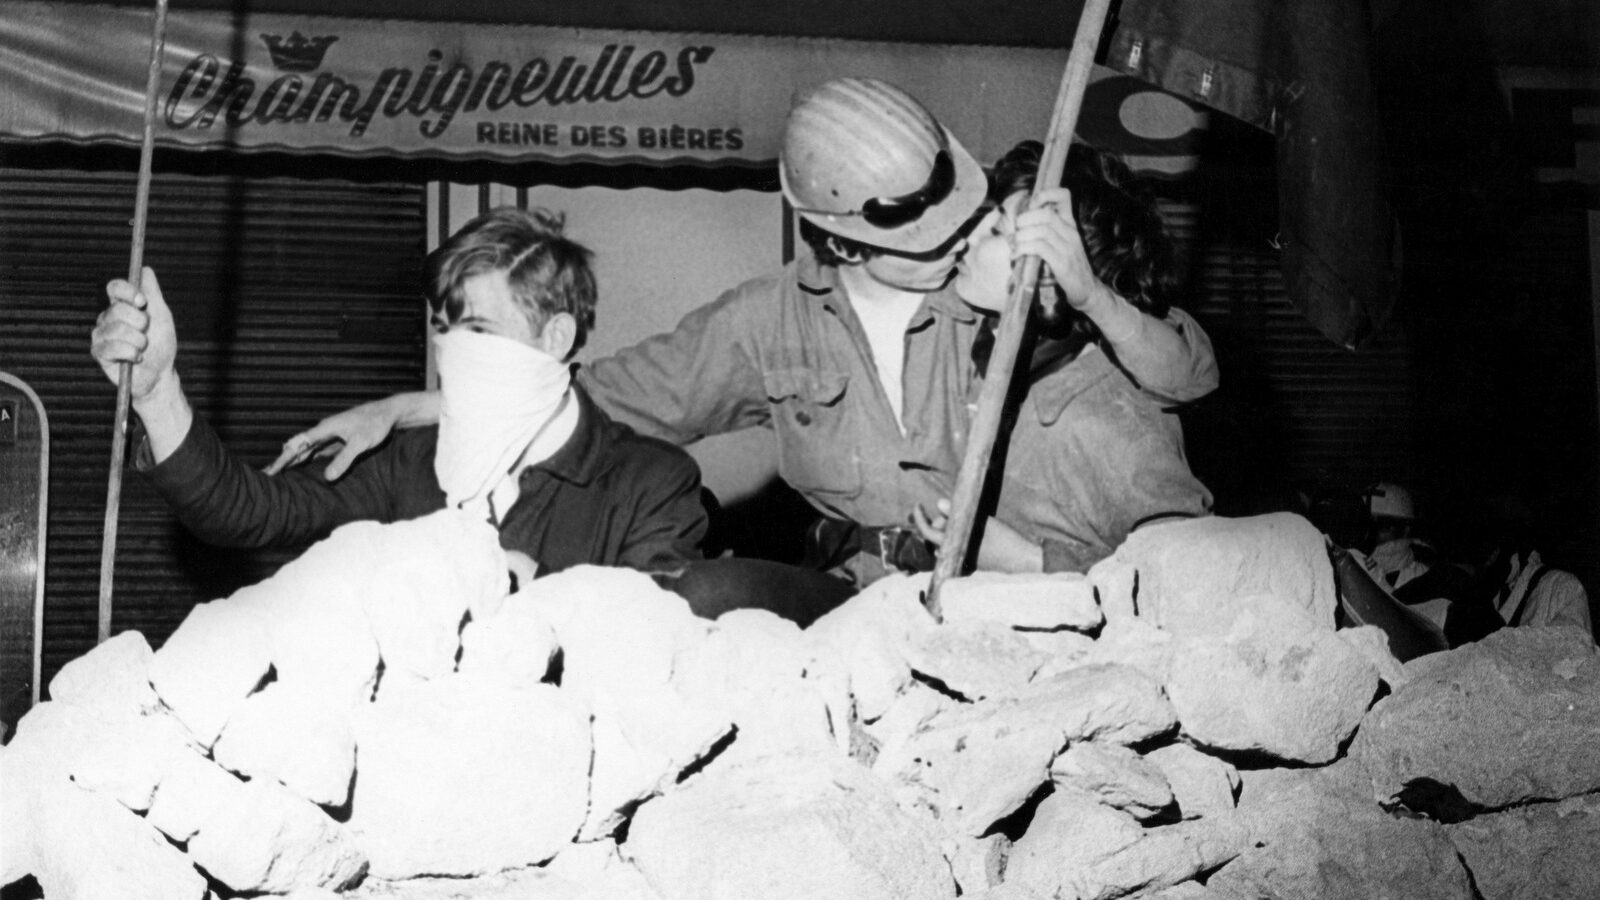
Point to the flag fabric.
(1300, 69)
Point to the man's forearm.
(166, 415)
(414, 409)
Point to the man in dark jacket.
(518, 442)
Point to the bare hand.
(1004, 549)
(136, 328)
(1050, 232)
(345, 435)
(932, 526)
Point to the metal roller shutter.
(1294, 410)
(293, 299)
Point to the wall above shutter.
(293, 299)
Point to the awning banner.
(370, 87)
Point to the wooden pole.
(119, 430)
(1014, 319)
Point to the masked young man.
(857, 356)
(517, 442)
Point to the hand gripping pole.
(1014, 320)
(119, 428)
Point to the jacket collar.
(588, 453)
(1050, 395)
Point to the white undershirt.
(885, 323)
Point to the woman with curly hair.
(1090, 457)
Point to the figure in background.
(1527, 592)
(1089, 458)
(1516, 580)
(518, 442)
(1398, 554)
(1472, 592)
(856, 356)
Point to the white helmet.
(1387, 500)
(863, 159)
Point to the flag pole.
(141, 210)
(1013, 322)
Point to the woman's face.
(984, 275)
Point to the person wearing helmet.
(856, 356)
(1397, 553)
(1090, 457)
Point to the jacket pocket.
(818, 449)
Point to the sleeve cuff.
(1060, 556)
(183, 477)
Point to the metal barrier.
(24, 498)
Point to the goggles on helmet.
(895, 212)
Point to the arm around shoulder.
(700, 378)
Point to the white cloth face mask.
(499, 396)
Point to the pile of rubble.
(380, 720)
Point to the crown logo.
(298, 53)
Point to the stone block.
(869, 638)
(971, 765)
(216, 658)
(296, 737)
(1373, 645)
(1202, 785)
(1488, 725)
(1111, 703)
(1129, 642)
(1533, 852)
(1061, 649)
(433, 571)
(88, 846)
(1070, 832)
(617, 629)
(124, 757)
(1118, 776)
(1042, 602)
(194, 786)
(113, 679)
(268, 840)
(316, 621)
(598, 871)
(463, 776)
(516, 644)
(978, 863)
(753, 669)
(1271, 685)
(786, 828)
(642, 742)
(1198, 576)
(1162, 858)
(975, 659)
(1314, 834)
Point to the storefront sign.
(362, 87)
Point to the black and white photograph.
(809, 450)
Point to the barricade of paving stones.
(379, 719)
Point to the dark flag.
(1300, 69)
